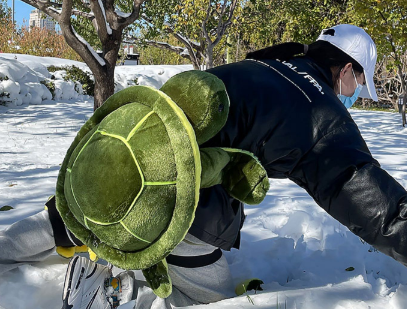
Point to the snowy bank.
(26, 79)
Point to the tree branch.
(190, 46)
(55, 4)
(73, 40)
(100, 21)
(220, 21)
(204, 23)
(85, 4)
(123, 22)
(89, 16)
(182, 51)
(223, 26)
(46, 7)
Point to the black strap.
(194, 261)
(63, 237)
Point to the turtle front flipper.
(239, 172)
(158, 279)
(213, 162)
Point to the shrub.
(75, 74)
(84, 78)
(2, 95)
(53, 68)
(7, 29)
(50, 86)
(44, 43)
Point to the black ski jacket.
(288, 115)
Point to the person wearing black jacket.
(287, 112)
(288, 106)
(291, 112)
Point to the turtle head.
(203, 98)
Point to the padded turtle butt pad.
(138, 156)
(129, 185)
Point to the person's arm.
(343, 178)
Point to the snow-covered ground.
(22, 78)
(299, 251)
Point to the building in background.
(41, 20)
(130, 58)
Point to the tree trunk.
(104, 83)
(104, 86)
(237, 48)
(195, 59)
(209, 57)
(404, 94)
(195, 65)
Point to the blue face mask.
(349, 101)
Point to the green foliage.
(6, 208)
(384, 20)
(85, 28)
(186, 18)
(50, 85)
(350, 269)
(33, 41)
(84, 78)
(5, 11)
(262, 23)
(53, 68)
(75, 74)
(4, 78)
(153, 55)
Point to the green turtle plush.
(129, 184)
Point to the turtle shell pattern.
(131, 178)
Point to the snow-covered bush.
(31, 83)
(26, 79)
(50, 86)
(83, 80)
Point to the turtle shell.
(129, 184)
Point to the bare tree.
(387, 85)
(211, 30)
(109, 23)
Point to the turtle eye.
(221, 108)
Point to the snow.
(40, 64)
(289, 242)
(55, 10)
(19, 84)
(20, 79)
(108, 29)
(121, 14)
(185, 52)
(147, 75)
(90, 48)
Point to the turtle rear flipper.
(158, 279)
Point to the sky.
(22, 11)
